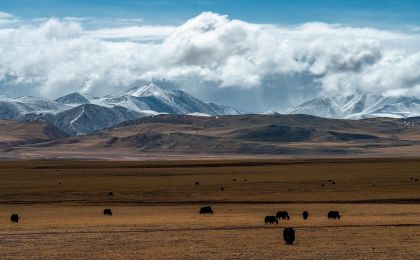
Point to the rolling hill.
(241, 135)
(20, 133)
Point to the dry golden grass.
(155, 209)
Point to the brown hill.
(251, 135)
(12, 132)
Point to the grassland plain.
(155, 209)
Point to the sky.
(255, 55)
(358, 12)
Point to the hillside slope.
(242, 135)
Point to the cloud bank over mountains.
(210, 55)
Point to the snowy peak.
(148, 90)
(74, 99)
(14, 108)
(322, 107)
(78, 113)
(359, 106)
(39, 105)
(162, 100)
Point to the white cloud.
(132, 33)
(54, 57)
(7, 19)
(4, 15)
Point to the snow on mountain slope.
(322, 107)
(151, 90)
(78, 113)
(74, 99)
(14, 109)
(87, 118)
(359, 106)
(170, 101)
(152, 99)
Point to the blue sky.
(377, 13)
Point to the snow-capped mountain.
(74, 99)
(359, 106)
(87, 118)
(78, 113)
(13, 109)
(152, 99)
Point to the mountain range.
(78, 114)
(359, 106)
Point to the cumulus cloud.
(58, 56)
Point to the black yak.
(271, 220)
(108, 212)
(305, 215)
(14, 218)
(333, 215)
(282, 215)
(289, 235)
(206, 210)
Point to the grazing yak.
(196, 183)
(289, 235)
(305, 215)
(206, 210)
(271, 220)
(14, 218)
(282, 215)
(108, 212)
(333, 215)
(110, 194)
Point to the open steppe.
(155, 209)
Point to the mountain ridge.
(359, 106)
(67, 112)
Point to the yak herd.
(288, 233)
